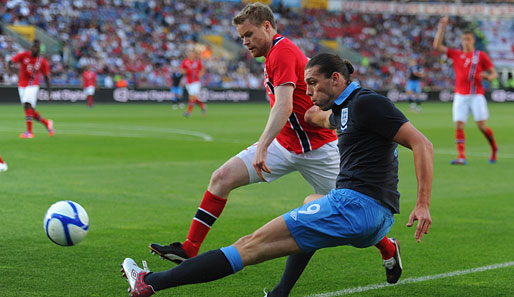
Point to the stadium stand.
(142, 41)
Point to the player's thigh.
(29, 95)
(417, 88)
(279, 161)
(194, 89)
(89, 91)
(408, 87)
(273, 240)
(461, 108)
(479, 108)
(232, 174)
(320, 167)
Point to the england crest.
(344, 119)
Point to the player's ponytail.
(349, 67)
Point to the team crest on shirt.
(344, 119)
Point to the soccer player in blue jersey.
(413, 86)
(359, 212)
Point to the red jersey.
(89, 78)
(467, 68)
(285, 64)
(30, 67)
(192, 69)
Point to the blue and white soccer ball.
(66, 223)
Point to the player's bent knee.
(222, 177)
(312, 197)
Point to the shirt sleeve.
(486, 61)
(17, 58)
(378, 114)
(452, 53)
(332, 120)
(283, 67)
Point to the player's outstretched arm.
(277, 119)
(317, 117)
(423, 151)
(439, 36)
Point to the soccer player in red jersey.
(3, 166)
(89, 84)
(288, 143)
(31, 65)
(470, 67)
(193, 70)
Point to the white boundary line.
(130, 132)
(414, 280)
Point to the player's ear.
(336, 77)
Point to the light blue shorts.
(342, 217)
(177, 91)
(414, 86)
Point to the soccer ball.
(66, 223)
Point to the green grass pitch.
(141, 170)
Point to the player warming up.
(89, 84)
(470, 67)
(193, 69)
(359, 212)
(176, 87)
(3, 165)
(413, 87)
(31, 65)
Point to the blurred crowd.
(142, 42)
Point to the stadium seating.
(143, 40)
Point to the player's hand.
(422, 215)
(444, 21)
(485, 75)
(259, 162)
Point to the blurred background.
(141, 42)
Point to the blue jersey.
(414, 69)
(366, 125)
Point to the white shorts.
(28, 94)
(193, 89)
(90, 91)
(463, 104)
(319, 167)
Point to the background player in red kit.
(470, 67)
(31, 65)
(3, 166)
(89, 84)
(193, 70)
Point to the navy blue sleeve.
(378, 114)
